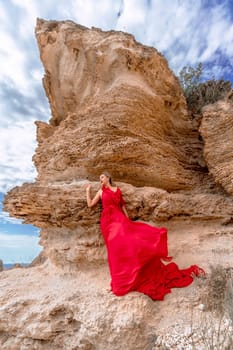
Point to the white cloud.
(30, 12)
(18, 248)
(13, 61)
(3, 13)
(195, 31)
(133, 17)
(218, 26)
(17, 146)
(102, 14)
(6, 219)
(18, 52)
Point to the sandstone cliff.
(217, 131)
(113, 102)
(115, 106)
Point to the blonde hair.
(106, 173)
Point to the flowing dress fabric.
(135, 251)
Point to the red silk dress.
(135, 251)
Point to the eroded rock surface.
(217, 132)
(115, 105)
(53, 311)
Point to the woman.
(135, 249)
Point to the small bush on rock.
(199, 93)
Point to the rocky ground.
(44, 307)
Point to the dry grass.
(217, 295)
(211, 324)
(213, 330)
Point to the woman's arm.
(92, 202)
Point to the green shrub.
(199, 93)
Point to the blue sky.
(18, 243)
(186, 32)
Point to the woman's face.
(104, 180)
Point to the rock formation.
(217, 130)
(115, 106)
(70, 231)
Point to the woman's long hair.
(106, 173)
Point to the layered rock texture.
(217, 131)
(70, 231)
(115, 106)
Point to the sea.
(9, 266)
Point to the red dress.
(135, 251)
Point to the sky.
(185, 32)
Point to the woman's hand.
(88, 187)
